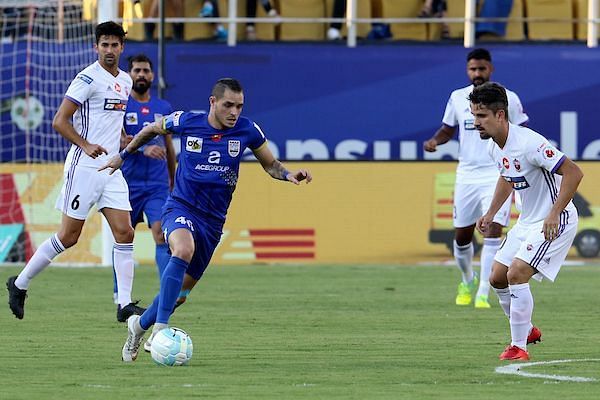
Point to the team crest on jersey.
(145, 110)
(117, 87)
(131, 118)
(233, 148)
(517, 164)
(529, 247)
(549, 153)
(115, 104)
(193, 144)
(505, 163)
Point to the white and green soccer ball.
(171, 347)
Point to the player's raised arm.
(276, 169)
(143, 137)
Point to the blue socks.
(162, 257)
(170, 284)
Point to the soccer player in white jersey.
(91, 118)
(538, 244)
(476, 177)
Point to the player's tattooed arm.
(277, 170)
(143, 137)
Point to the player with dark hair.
(91, 118)
(476, 177)
(212, 146)
(538, 244)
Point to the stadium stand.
(404, 9)
(580, 11)
(549, 9)
(515, 30)
(364, 11)
(302, 8)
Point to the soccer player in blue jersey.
(193, 217)
(150, 171)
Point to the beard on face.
(141, 86)
(478, 81)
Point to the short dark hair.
(492, 95)
(479, 54)
(110, 28)
(226, 83)
(139, 58)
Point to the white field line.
(517, 369)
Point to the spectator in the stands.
(251, 13)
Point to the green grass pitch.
(299, 332)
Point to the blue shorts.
(147, 200)
(206, 235)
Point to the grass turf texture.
(298, 332)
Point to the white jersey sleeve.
(450, 117)
(546, 155)
(80, 89)
(516, 115)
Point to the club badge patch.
(233, 148)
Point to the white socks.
(521, 308)
(464, 259)
(488, 252)
(123, 263)
(42, 257)
(504, 300)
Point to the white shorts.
(526, 242)
(471, 201)
(85, 187)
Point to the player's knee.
(124, 235)
(519, 272)
(68, 239)
(183, 252)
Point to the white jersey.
(102, 100)
(474, 165)
(529, 161)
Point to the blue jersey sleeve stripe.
(558, 164)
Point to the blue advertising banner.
(380, 102)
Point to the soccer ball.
(171, 347)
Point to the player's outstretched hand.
(430, 145)
(157, 152)
(299, 176)
(94, 150)
(114, 164)
(484, 222)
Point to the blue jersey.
(209, 161)
(138, 169)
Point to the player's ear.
(212, 100)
